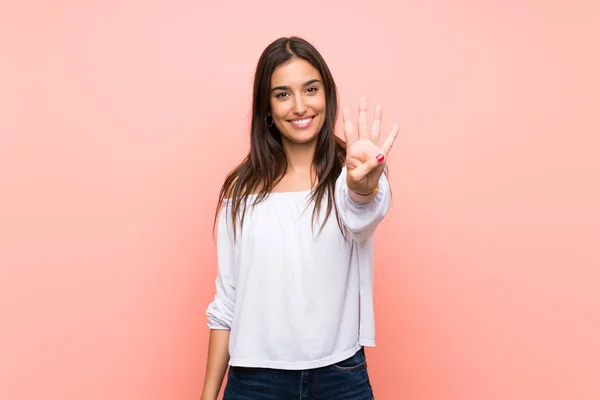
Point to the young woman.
(294, 305)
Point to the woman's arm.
(216, 364)
(362, 189)
(220, 311)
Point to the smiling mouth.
(301, 123)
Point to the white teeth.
(301, 121)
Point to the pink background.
(120, 119)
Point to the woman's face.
(298, 101)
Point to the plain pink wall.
(119, 121)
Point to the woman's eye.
(312, 90)
(280, 95)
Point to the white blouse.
(294, 298)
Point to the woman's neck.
(300, 173)
(299, 157)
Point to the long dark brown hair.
(266, 164)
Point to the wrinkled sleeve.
(361, 219)
(220, 310)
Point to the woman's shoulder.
(232, 191)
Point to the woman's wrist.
(367, 194)
(362, 197)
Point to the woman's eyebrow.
(307, 83)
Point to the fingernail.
(380, 158)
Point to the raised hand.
(365, 160)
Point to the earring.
(267, 117)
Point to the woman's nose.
(299, 105)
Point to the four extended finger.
(348, 128)
(389, 142)
(376, 128)
(363, 122)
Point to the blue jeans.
(346, 380)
